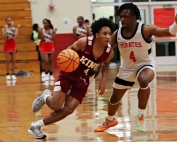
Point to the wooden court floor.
(16, 115)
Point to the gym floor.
(16, 114)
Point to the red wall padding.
(62, 41)
(163, 18)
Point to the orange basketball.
(68, 60)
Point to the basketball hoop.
(51, 5)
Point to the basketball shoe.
(36, 131)
(47, 76)
(8, 77)
(141, 123)
(106, 125)
(14, 77)
(51, 77)
(43, 74)
(39, 101)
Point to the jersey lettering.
(132, 56)
(86, 71)
(130, 44)
(88, 63)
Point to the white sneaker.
(113, 66)
(43, 79)
(51, 77)
(14, 77)
(8, 77)
(36, 132)
(46, 76)
(39, 101)
(43, 74)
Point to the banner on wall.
(164, 18)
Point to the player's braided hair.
(98, 24)
(134, 10)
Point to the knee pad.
(145, 87)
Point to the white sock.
(40, 123)
(110, 117)
(141, 111)
(46, 96)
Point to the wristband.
(173, 28)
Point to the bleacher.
(27, 56)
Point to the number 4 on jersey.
(86, 71)
(132, 56)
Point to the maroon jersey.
(87, 60)
(76, 83)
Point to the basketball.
(68, 60)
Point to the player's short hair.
(98, 24)
(134, 10)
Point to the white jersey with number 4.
(135, 51)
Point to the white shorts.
(126, 78)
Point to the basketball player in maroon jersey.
(81, 30)
(47, 36)
(70, 88)
(10, 48)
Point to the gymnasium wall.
(63, 18)
(64, 9)
(103, 11)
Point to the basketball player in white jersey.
(81, 30)
(134, 43)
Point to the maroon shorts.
(10, 45)
(47, 47)
(72, 84)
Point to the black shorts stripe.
(123, 82)
(143, 67)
